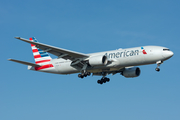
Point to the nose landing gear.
(158, 65)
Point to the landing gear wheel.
(84, 74)
(98, 81)
(88, 73)
(103, 80)
(157, 69)
(107, 79)
(79, 75)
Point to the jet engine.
(131, 72)
(98, 60)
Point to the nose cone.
(171, 54)
(168, 54)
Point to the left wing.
(59, 52)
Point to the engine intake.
(98, 60)
(131, 72)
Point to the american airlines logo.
(122, 54)
(144, 52)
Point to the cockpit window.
(166, 49)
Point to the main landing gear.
(158, 64)
(85, 74)
(103, 80)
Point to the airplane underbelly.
(65, 68)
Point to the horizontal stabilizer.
(25, 63)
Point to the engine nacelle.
(98, 60)
(131, 72)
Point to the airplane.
(123, 61)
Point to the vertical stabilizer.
(41, 57)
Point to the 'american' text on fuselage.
(122, 54)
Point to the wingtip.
(9, 59)
(17, 37)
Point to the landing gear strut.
(103, 80)
(158, 64)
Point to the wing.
(59, 52)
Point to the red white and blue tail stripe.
(41, 57)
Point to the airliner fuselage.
(117, 59)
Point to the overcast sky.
(89, 26)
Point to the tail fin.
(41, 57)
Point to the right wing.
(59, 52)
